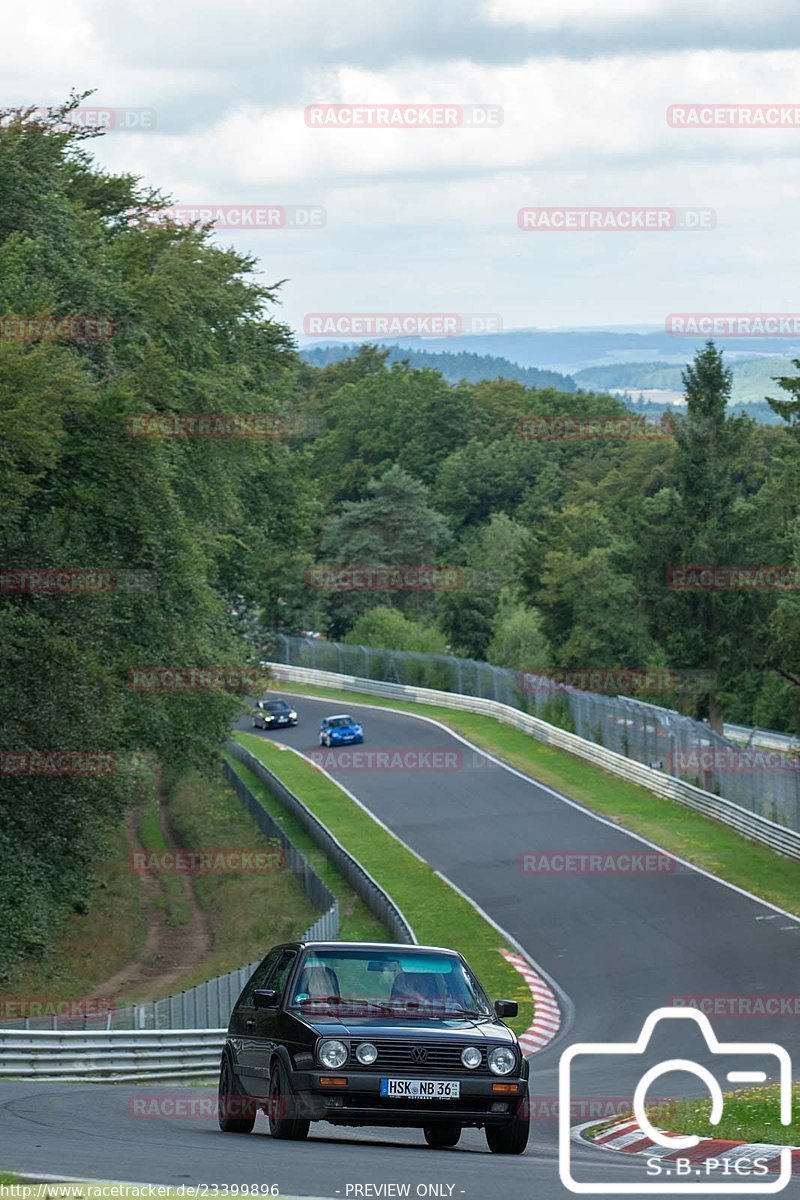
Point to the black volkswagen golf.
(360, 1033)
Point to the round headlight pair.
(333, 1054)
(502, 1060)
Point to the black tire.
(287, 1128)
(511, 1138)
(235, 1113)
(444, 1136)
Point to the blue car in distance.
(340, 730)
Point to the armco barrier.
(361, 881)
(752, 825)
(110, 1056)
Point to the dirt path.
(170, 952)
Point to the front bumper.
(359, 1102)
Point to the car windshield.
(393, 983)
(340, 722)
(277, 706)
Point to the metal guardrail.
(767, 784)
(770, 739)
(373, 895)
(752, 825)
(110, 1056)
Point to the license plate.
(422, 1089)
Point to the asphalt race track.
(619, 945)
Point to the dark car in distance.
(360, 1033)
(273, 714)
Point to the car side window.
(259, 977)
(277, 980)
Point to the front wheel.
(511, 1138)
(281, 1125)
(235, 1113)
(442, 1137)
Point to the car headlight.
(293, 715)
(471, 1057)
(366, 1053)
(332, 1054)
(502, 1060)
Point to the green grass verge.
(749, 1115)
(438, 914)
(357, 923)
(700, 840)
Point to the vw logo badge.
(419, 1054)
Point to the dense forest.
(119, 333)
(471, 368)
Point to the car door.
(241, 1031)
(261, 1024)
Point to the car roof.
(338, 716)
(399, 947)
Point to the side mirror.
(265, 998)
(503, 1008)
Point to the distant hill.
(454, 367)
(753, 379)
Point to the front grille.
(419, 1057)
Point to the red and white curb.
(628, 1138)
(547, 1014)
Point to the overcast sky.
(426, 219)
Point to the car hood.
(433, 1028)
